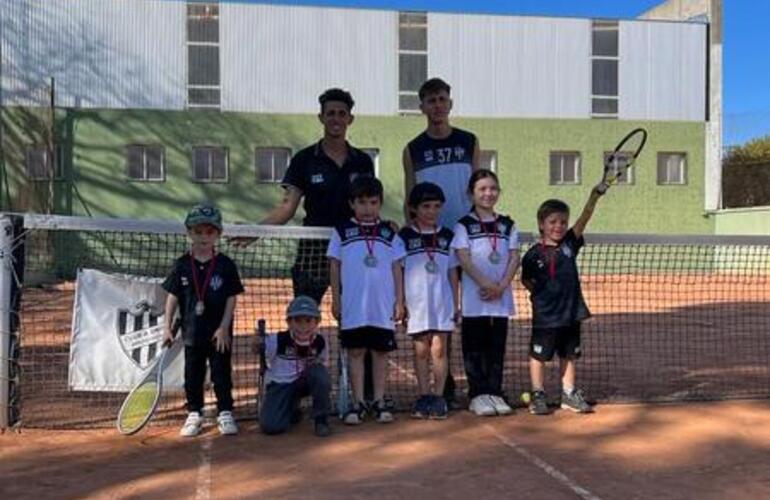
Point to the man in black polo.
(321, 174)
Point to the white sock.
(568, 390)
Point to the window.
(209, 164)
(271, 163)
(489, 160)
(604, 69)
(203, 79)
(412, 58)
(621, 159)
(41, 166)
(145, 163)
(672, 168)
(374, 154)
(565, 167)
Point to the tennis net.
(675, 318)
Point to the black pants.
(484, 353)
(282, 399)
(195, 358)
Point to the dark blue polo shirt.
(326, 186)
(557, 298)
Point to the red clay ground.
(705, 451)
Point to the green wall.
(96, 183)
(744, 221)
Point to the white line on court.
(544, 466)
(203, 484)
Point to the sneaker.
(500, 406)
(192, 426)
(576, 402)
(226, 424)
(421, 407)
(480, 405)
(539, 403)
(381, 413)
(439, 410)
(322, 428)
(355, 415)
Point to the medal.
(431, 267)
(369, 238)
(494, 257)
(200, 291)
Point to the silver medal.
(494, 257)
(370, 261)
(199, 308)
(431, 267)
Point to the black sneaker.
(439, 410)
(539, 403)
(322, 428)
(576, 402)
(381, 413)
(421, 407)
(356, 414)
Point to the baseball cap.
(303, 306)
(204, 214)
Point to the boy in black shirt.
(203, 285)
(549, 272)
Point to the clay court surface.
(704, 450)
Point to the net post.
(6, 277)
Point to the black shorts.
(563, 340)
(368, 337)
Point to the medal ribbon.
(369, 238)
(550, 257)
(431, 249)
(200, 293)
(493, 235)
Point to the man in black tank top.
(446, 156)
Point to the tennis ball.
(526, 397)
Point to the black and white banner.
(117, 329)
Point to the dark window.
(209, 164)
(145, 163)
(271, 163)
(564, 167)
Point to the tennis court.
(703, 450)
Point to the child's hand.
(458, 316)
(168, 337)
(221, 340)
(601, 188)
(400, 313)
(336, 310)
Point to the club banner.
(117, 329)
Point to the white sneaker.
(192, 426)
(481, 406)
(226, 423)
(500, 406)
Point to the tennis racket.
(141, 402)
(617, 163)
(343, 389)
(262, 334)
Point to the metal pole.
(6, 275)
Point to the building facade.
(139, 108)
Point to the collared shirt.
(428, 293)
(482, 238)
(325, 185)
(557, 298)
(367, 291)
(224, 283)
(288, 361)
(447, 162)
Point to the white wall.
(662, 71)
(278, 59)
(513, 66)
(102, 53)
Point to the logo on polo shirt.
(414, 243)
(216, 282)
(428, 155)
(501, 227)
(386, 232)
(443, 242)
(474, 228)
(317, 179)
(566, 251)
(351, 232)
(459, 152)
